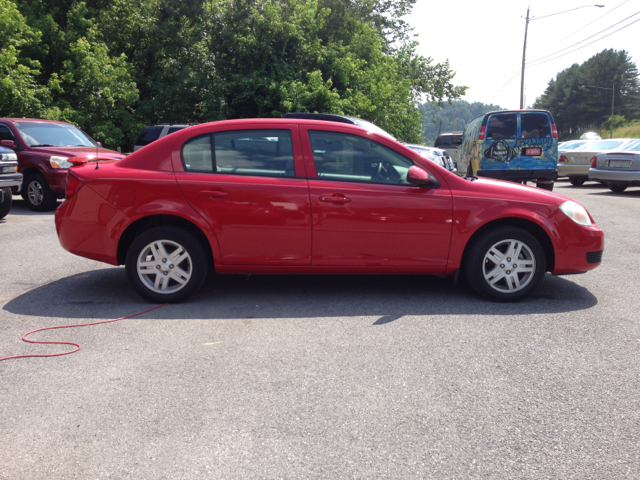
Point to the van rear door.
(500, 144)
(537, 148)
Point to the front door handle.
(335, 199)
(213, 193)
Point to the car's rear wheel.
(505, 264)
(617, 187)
(577, 182)
(5, 205)
(166, 264)
(37, 194)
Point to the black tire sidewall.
(617, 188)
(475, 258)
(182, 237)
(5, 206)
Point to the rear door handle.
(335, 199)
(213, 193)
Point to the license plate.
(619, 163)
(533, 152)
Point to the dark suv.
(9, 178)
(449, 142)
(43, 148)
(154, 132)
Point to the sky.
(483, 41)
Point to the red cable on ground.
(24, 337)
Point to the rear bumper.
(617, 176)
(519, 175)
(576, 171)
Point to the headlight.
(59, 162)
(576, 212)
(9, 157)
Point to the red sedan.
(300, 196)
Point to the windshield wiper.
(43, 145)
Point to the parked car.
(436, 155)
(308, 197)
(619, 169)
(572, 145)
(43, 148)
(449, 142)
(9, 178)
(575, 164)
(516, 145)
(154, 132)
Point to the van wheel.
(166, 264)
(545, 185)
(37, 194)
(505, 264)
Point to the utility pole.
(613, 97)
(453, 125)
(524, 51)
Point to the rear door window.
(503, 126)
(535, 125)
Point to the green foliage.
(576, 103)
(113, 66)
(464, 113)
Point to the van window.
(535, 125)
(503, 126)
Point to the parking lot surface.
(321, 376)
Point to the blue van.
(515, 145)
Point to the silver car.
(436, 155)
(618, 170)
(575, 164)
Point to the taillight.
(482, 130)
(562, 159)
(72, 186)
(593, 162)
(554, 130)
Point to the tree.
(438, 119)
(576, 104)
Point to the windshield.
(572, 145)
(41, 134)
(370, 127)
(602, 146)
(632, 146)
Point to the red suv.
(43, 148)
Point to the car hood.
(504, 190)
(79, 152)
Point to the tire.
(488, 260)
(5, 206)
(545, 185)
(37, 194)
(617, 187)
(182, 278)
(577, 182)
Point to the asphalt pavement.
(320, 376)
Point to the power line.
(534, 64)
(578, 43)
(601, 16)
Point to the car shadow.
(626, 193)
(20, 207)
(106, 294)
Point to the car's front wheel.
(166, 264)
(5, 205)
(37, 194)
(505, 264)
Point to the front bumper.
(617, 176)
(11, 180)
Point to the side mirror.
(8, 144)
(99, 144)
(422, 178)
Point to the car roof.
(43, 120)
